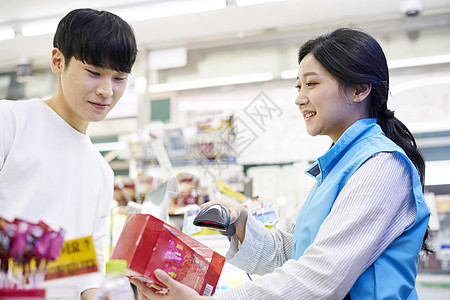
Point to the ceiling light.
(40, 27)
(393, 64)
(166, 9)
(417, 83)
(167, 58)
(206, 105)
(102, 147)
(419, 61)
(7, 34)
(254, 2)
(289, 74)
(211, 82)
(437, 172)
(133, 13)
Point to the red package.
(147, 244)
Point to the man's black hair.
(98, 38)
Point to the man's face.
(88, 93)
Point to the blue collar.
(358, 130)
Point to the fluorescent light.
(212, 105)
(437, 172)
(7, 34)
(140, 83)
(413, 84)
(40, 27)
(211, 82)
(254, 2)
(166, 9)
(167, 58)
(289, 74)
(418, 61)
(110, 146)
(393, 64)
(136, 13)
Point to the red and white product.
(147, 244)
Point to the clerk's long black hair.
(354, 57)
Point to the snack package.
(25, 251)
(147, 244)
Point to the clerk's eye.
(298, 87)
(309, 84)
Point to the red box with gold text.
(147, 243)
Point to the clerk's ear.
(360, 92)
(57, 61)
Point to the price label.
(77, 257)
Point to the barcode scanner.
(216, 216)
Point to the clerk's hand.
(238, 215)
(176, 291)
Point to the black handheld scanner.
(215, 216)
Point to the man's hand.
(176, 290)
(88, 294)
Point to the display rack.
(213, 144)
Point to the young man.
(49, 169)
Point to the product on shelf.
(188, 189)
(124, 190)
(147, 244)
(128, 190)
(25, 251)
(145, 184)
(210, 141)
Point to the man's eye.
(119, 78)
(310, 84)
(93, 73)
(298, 87)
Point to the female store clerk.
(359, 233)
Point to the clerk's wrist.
(241, 225)
(242, 220)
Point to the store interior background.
(199, 68)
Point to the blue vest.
(393, 274)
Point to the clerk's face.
(325, 107)
(86, 93)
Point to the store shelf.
(190, 160)
(433, 286)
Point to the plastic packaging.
(147, 243)
(34, 294)
(25, 251)
(115, 285)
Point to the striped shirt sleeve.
(373, 209)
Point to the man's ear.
(361, 92)
(57, 61)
